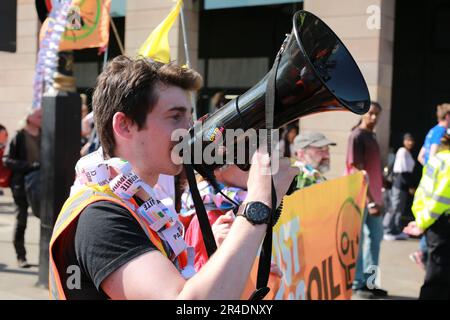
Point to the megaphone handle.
(277, 214)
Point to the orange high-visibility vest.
(62, 238)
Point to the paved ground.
(16, 283)
(401, 277)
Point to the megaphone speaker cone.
(316, 74)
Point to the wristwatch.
(255, 212)
(371, 205)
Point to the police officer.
(431, 209)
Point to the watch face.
(257, 212)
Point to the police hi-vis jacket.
(432, 198)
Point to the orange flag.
(87, 25)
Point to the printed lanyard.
(93, 169)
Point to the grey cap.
(311, 139)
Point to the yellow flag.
(157, 44)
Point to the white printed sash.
(93, 169)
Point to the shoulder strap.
(205, 227)
(266, 252)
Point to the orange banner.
(315, 243)
(87, 25)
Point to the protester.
(88, 134)
(3, 137)
(434, 136)
(218, 100)
(402, 186)
(285, 146)
(219, 208)
(364, 154)
(312, 151)
(431, 209)
(313, 158)
(23, 159)
(87, 120)
(5, 173)
(84, 105)
(137, 106)
(219, 205)
(216, 206)
(429, 148)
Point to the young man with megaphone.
(108, 228)
(119, 238)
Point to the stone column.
(17, 68)
(367, 29)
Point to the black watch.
(255, 212)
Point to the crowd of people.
(113, 262)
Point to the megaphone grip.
(291, 190)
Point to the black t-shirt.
(106, 237)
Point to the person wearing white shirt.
(402, 185)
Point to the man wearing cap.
(312, 153)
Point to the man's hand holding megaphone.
(260, 178)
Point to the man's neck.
(366, 127)
(442, 123)
(147, 176)
(150, 178)
(32, 130)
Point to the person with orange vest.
(113, 238)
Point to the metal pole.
(105, 57)
(188, 61)
(183, 27)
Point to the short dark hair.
(128, 85)
(2, 127)
(445, 142)
(442, 110)
(376, 104)
(408, 136)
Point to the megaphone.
(316, 73)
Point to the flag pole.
(105, 57)
(116, 34)
(183, 27)
(186, 53)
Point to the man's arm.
(232, 176)
(421, 156)
(433, 150)
(359, 167)
(153, 276)
(224, 276)
(356, 159)
(12, 158)
(375, 211)
(357, 163)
